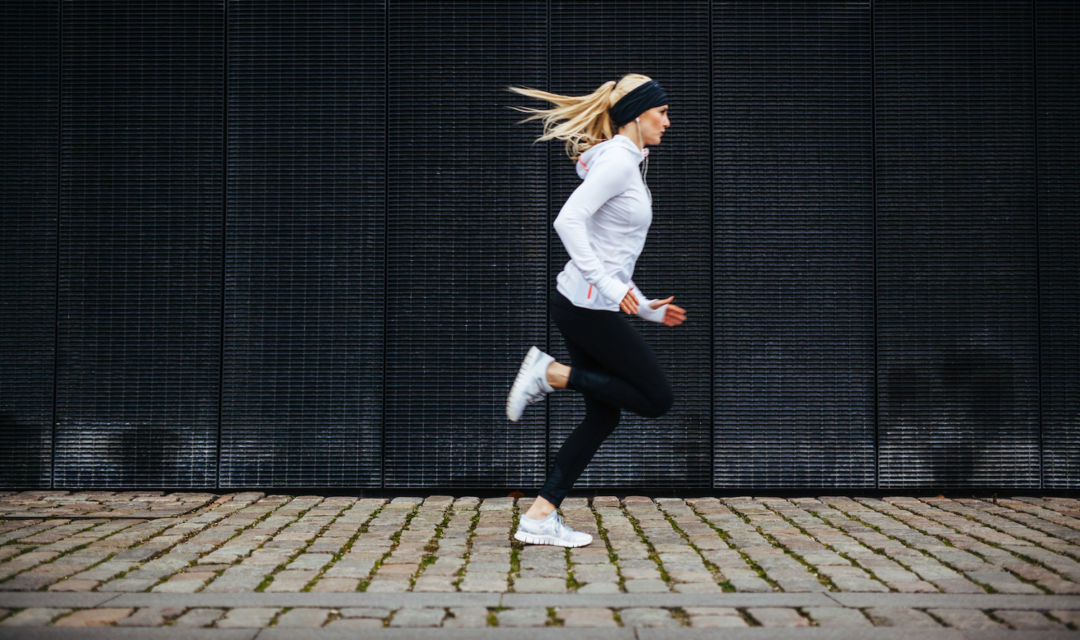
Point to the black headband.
(633, 104)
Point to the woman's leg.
(539, 525)
(613, 367)
(581, 445)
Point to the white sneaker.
(530, 385)
(550, 530)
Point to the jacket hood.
(618, 144)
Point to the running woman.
(603, 225)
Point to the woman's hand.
(629, 303)
(674, 315)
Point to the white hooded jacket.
(603, 225)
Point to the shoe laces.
(561, 529)
(536, 391)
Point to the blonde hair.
(582, 121)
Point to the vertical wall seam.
(224, 225)
(547, 242)
(1038, 248)
(874, 233)
(386, 239)
(56, 279)
(712, 264)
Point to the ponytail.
(581, 121)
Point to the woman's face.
(653, 124)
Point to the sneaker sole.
(531, 539)
(521, 380)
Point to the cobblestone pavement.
(93, 564)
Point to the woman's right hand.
(674, 315)
(629, 303)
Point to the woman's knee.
(658, 403)
(603, 417)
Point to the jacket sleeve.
(603, 182)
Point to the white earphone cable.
(645, 171)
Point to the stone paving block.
(466, 617)
(247, 617)
(236, 579)
(150, 617)
(724, 558)
(405, 501)
(444, 566)
(1018, 619)
(899, 617)
(310, 561)
(102, 617)
(489, 567)
(777, 617)
(644, 570)
(395, 570)
(585, 617)
(290, 580)
(540, 585)
(523, 617)
(74, 584)
(689, 575)
(837, 617)
(965, 618)
(199, 617)
(714, 617)
(303, 617)
(595, 553)
(419, 617)
(1068, 616)
(483, 584)
(387, 586)
(336, 585)
(646, 586)
(749, 583)
(794, 578)
(647, 617)
(428, 583)
(33, 617)
(600, 587)
(188, 582)
(848, 578)
(351, 566)
(354, 624)
(364, 612)
(697, 587)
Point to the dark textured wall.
(263, 244)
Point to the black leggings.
(613, 368)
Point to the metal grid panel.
(1058, 102)
(793, 245)
(672, 450)
(141, 227)
(466, 240)
(140, 244)
(28, 240)
(304, 284)
(956, 236)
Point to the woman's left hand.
(629, 303)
